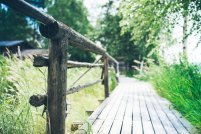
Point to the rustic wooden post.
(57, 76)
(106, 80)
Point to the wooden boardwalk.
(135, 108)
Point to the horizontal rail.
(79, 87)
(39, 100)
(51, 28)
(72, 64)
(40, 61)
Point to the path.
(134, 107)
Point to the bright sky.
(94, 9)
(193, 51)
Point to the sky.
(94, 9)
(193, 48)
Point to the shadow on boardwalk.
(135, 107)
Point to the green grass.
(19, 80)
(181, 84)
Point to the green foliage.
(149, 20)
(144, 19)
(7, 87)
(108, 32)
(112, 80)
(15, 119)
(13, 25)
(16, 114)
(179, 83)
(74, 14)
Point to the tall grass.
(19, 80)
(181, 84)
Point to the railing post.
(106, 80)
(57, 76)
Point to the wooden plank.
(111, 115)
(157, 125)
(133, 108)
(96, 126)
(146, 121)
(118, 121)
(98, 111)
(127, 122)
(137, 127)
(104, 113)
(137, 120)
(184, 122)
(109, 106)
(92, 118)
(175, 122)
(163, 117)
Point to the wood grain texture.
(41, 61)
(57, 78)
(135, 108)
(106, 79)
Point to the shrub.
(181, 84)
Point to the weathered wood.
(79, 87)
(95, 115)
(41, 61)
(106, 80)
(29, 10)
(38, 100)
(109, 116)
(119, 117)
(127, 123)
(132, 108)
(76, 125)
(89, 112)
(57, 72)
(157, 125)
(58, 29)
(73, 64)
(137, 122)
(51, 28)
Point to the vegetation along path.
(134, 107)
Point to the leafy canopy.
(74, 14)
(13, 26)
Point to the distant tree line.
(135, 28)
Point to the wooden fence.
(60, 36)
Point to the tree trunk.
(185, 30)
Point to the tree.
(147, 19)
(109, 34)
(13, 26)
(74, 14)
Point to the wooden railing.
(60, 36)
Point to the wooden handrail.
(41, 61)
(79, 87)
(60, 36)
(51, 28)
